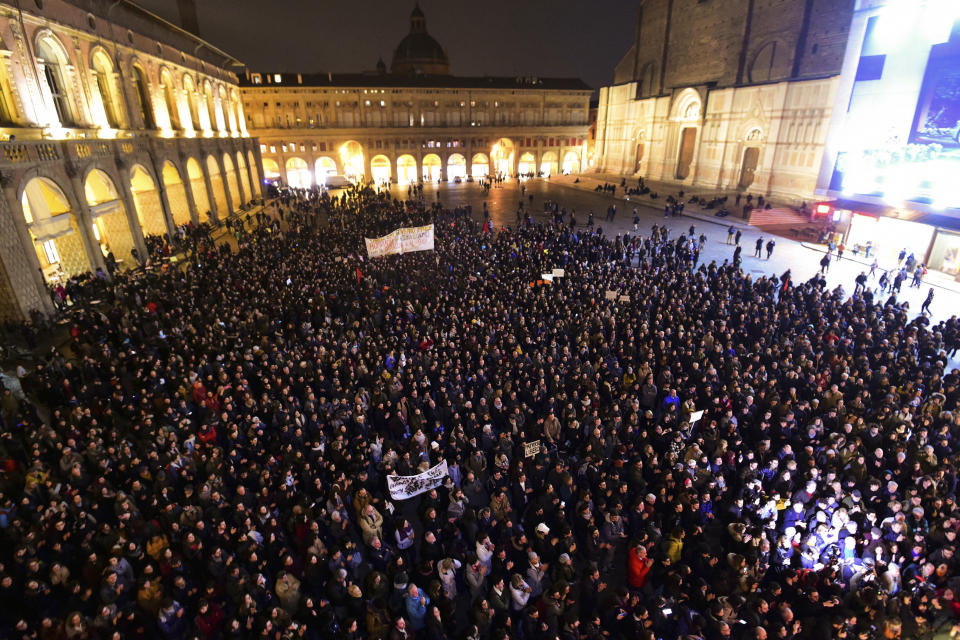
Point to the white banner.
(384, 246)
(416, 239)
(403, 487)
(402, 240)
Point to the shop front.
(884, 233)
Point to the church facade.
(726, 95)
(415, 122)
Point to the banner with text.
(403, 487)
(402, 240)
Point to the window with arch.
(170, 100)
(190, 90)
(211, 105)
(143, 98)
(53, 61)
(103, 79)
(6, 109)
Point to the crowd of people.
(720, 455)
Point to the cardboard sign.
(558, 273)
(611, 295)
(696, 415)
(623, 299)
(531, 449)
(547, 277)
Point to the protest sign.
(531, 449)
(403, 487)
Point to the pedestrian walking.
(770, 245)
(925, 307)
(758, 248)
(736, 238)
(825, 263)
(730, 233)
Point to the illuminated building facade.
(116, 125)
(893, 152)
(416, 122)
(726, 95)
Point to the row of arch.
(75, 226)
(406, 168)
(102, 94)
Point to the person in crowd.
(722, 454)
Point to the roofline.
(180, 30)
(399, 81)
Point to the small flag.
(359, 275)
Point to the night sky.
(559, 38)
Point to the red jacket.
(637, 569)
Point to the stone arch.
(141, 90)
(255, 174)
(456, 166)
(687, 106)
(8, 111)
(271, 170)
(549, 164)
(193, 110)
(231, 179)
(571, 163)
(352, 159)
(687, 113)
(769, 62)
(146, 199)
(236, 113)
(646, 80)
(298, 173)
(217, 187)
(244, 177)
(107, 89)
(198, 187)
(432, 167)
(54, 63)
(208, 113)
(50, 216)
(218, 102)
(111, 225)
(176, 193)
(479, 165)
(407, 169)
(170, 102)
(502, 156)
(324, 167)
(380, 168)
(527, 163)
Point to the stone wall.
(730, 42)
(179, 207)
(219, 196)
(150, 212)
(200, 199)
(73, 255)
(115, 232)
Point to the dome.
(418, 52)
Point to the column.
(130, 208)
(250, 176)
(27, 283)
(211, 200)
(226, 187)
(85, 224)
(188, 188)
